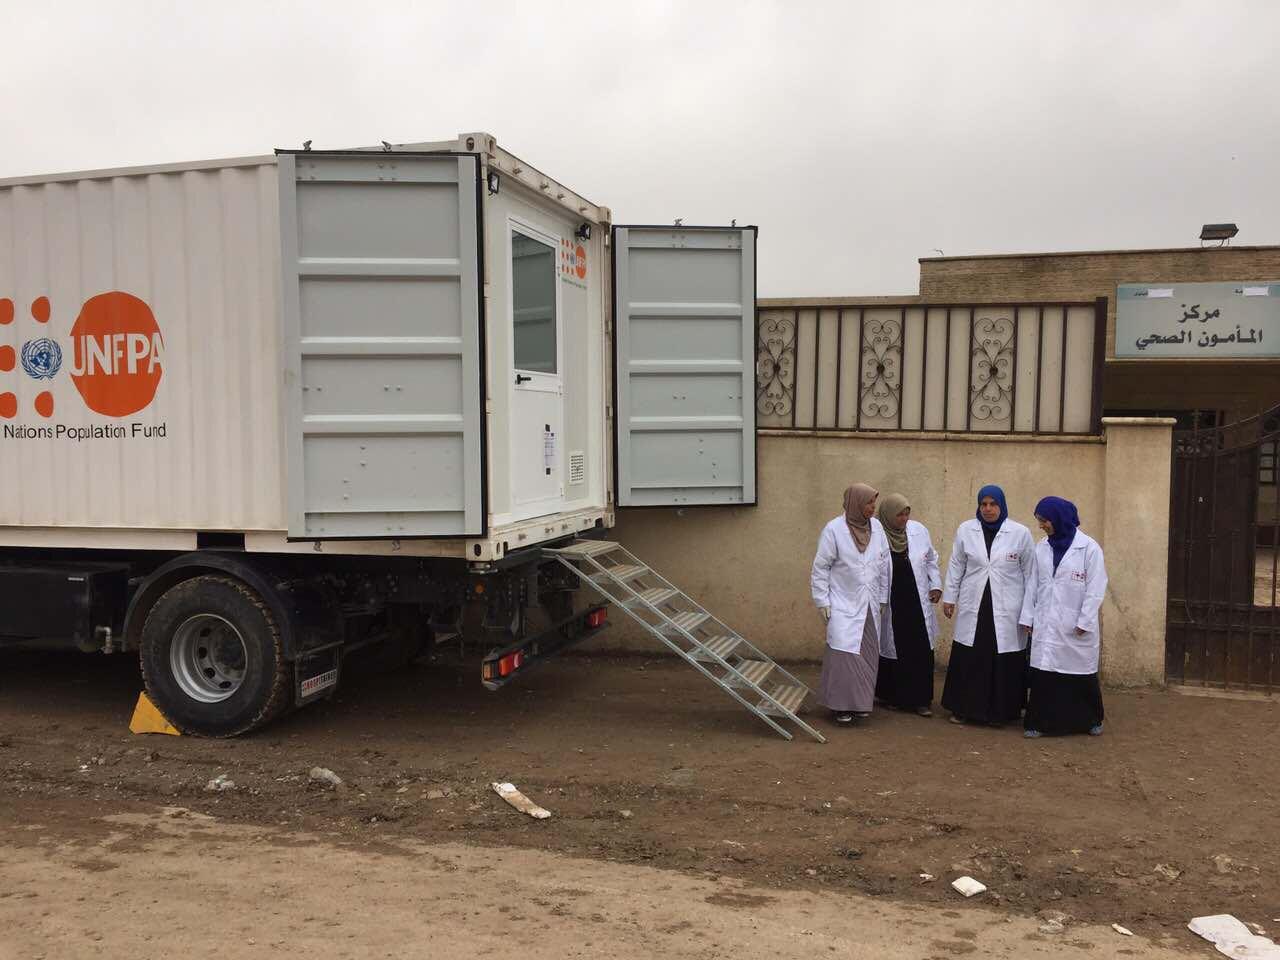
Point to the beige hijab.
(856, 499)
(892, 505)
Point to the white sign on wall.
(1198, 321)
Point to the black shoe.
(844, 719)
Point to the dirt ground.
(783, 845)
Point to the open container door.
(685, 307)
(383, 344)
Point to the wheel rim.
(208, 658)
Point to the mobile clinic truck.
(260, 412)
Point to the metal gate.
(1223, 625)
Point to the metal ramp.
(712, 647)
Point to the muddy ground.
(1171, 814)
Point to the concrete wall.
(750, 565)
(1135, 541)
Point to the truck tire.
(212, 658)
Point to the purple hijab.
(1065, 519)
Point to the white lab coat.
(924, 565)
(1067, 599)
(1011, 573)
(854, 585)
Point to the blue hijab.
(1065, 519)
(996, 494)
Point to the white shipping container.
(360, 352)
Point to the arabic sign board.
(1198, 321)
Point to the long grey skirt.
(849, 679)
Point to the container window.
(533, 298)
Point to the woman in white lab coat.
(1071, 580)
(850, 586)
(989, 592)
(905, 680)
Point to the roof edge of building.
(1100, 253)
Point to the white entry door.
(537, 383)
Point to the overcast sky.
(858, 136)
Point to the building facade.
(1224, 390)
(1059, 373)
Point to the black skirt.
(907, 682)
(982, 684)
(1062, 703)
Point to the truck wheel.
(212, 659)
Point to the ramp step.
(721, 646)
(752, 671)
(627, 582)
(687, 620)
(587, 548)
(787, 697)
(655, 596)
(621, 573)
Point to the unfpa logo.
(116, 357)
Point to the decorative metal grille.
(776, 366)
(881, 393)
(991, 396)
(1006, 369)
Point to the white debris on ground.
(509, 793)
(325, 775)
(967, 886)
(1233, 938)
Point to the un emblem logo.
(41, 358)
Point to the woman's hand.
(826, 614)
(948, 610)
(935, 596)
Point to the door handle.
(521, 378)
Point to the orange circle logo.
(580, 258)
(117, 354)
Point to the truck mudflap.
(502, 666)
(316, 673)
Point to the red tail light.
(597, 617)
